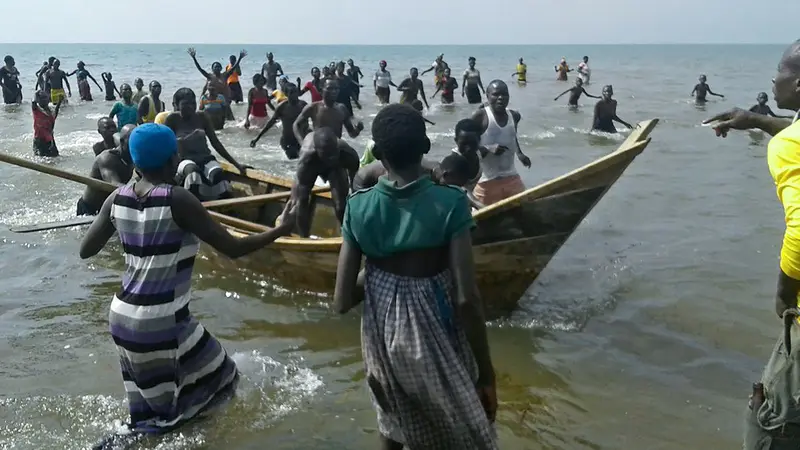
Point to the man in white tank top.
(499, 147)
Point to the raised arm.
(562, 94)
(193, 53)
(193, 217)
(589, 95)
(234, 68)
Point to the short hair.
(183, 93)
(456, 164)
(467, 126)
(8, 58)
(417, 104)
(399, 134)
(257, 77)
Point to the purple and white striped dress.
(173, 369)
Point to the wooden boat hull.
(513, 241)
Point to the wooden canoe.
(513, 241)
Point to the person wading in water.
(271, 70)
(499, 147)
(235, 88)
(314, 85)
(434, 387)
(287, 112)
(605, 113)
(701, 90)
(411, 88)
(447, 85)
(151, 105)
(106, 128)
(258, 99)
(575, 93)
(562, 69)
(111, 87)
(44, 122)
(381, 82)
(219, 79)
(173, 369)
(83, 77)
(761, 107)
(57, 79)
(138, 84)
(773, 413)
(472, 86)
(9, 82)
(326, 113)
(112, 166)
(354, 72)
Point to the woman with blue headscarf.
(173, 369)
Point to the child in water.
(111, 87)
(763, 108)
(213, 103)
(455, 171)
(44, 121)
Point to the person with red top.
(257, 102)
(447, 85)
(44, 121)
(314, 86)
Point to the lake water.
(645, 331)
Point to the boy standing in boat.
(112, 166)
(499, 147)
(434, 387)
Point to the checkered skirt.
(420, 368)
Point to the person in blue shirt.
(125, 111)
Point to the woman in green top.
(423, 334)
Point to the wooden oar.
(256, 199)
(108, 187)
(76, 221)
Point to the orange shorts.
(492, 191)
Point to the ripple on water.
(269, 390)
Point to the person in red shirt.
(314, 86)
(257, 101)
(44, 121)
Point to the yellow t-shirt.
(783, 157)
(522, 72)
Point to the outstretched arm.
(562, 94)
(270, 123)
(302, 121)
(95, 81)
(715, 94)
(588, 94)
(616, 117)
(193, 54)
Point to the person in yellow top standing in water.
(562, 69)
(773, 414)
(521, 73)
(237, 95)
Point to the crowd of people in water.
(434, 385)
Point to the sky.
(408, 22)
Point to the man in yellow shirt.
(521, 73)
(773, 415)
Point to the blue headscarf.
(152, 145)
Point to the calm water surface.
(645, 331)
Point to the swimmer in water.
(562, 69)
(575, 93)
(83, 77)
(111, 87)
(701, 89)
(521, 73)
(605, 113)
(763, 108)
(287, 112)
(447, 85)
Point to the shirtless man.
(411, 88)
(575, 93)
(322, 156)
(106, 127)
(701, 89)
(498, 147)
(605, 113)
(287, 112)
(348, 89)
(271, 70)
(326, 114)
(763, 108)
(354, 72)
(112, 166)
(57, 79)
(41, 78)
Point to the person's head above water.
(786, 84)
(326, 146)
(216, 68)
(497, 95)
(340, 68)
(579, 81)
(315, 72)
(56, 64)
(454, 170)
(106, 127)
(520, 61)
(283, 80)
(330, 91)
(586, 59)
(446, 72)
(400, 138)
(270, 57)
(42, 99)
(471, 61)
(414, 73)
(326, 71)
(762, 98)
(350, 62)
(232, 59)
(702, 78)
(109, 76)
(212, 91)
(155, 88)
(185, 102)
(382, 65)
(138, 84)
(417, 105)
(259, 81)
(9, 60)
(81, 65)
(126, 91)
(608, 92)
(154, 150)
(292, 92)
(467, 135)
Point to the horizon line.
(397, 45)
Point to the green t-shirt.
(368, 157)
(384, 219)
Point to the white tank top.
(499, 166)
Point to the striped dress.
(173, 369)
